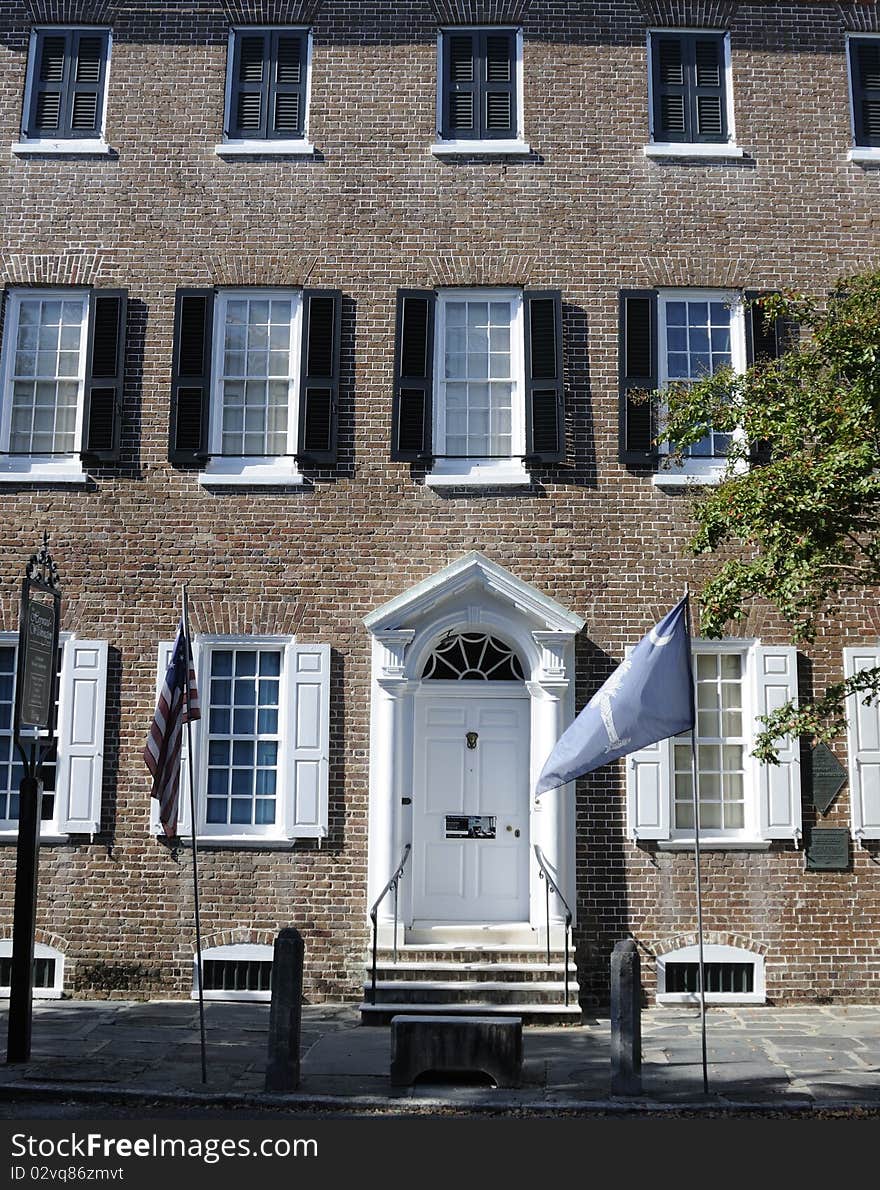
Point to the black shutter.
(287, 86)
(52, 54)
(319, 376)
(105, 375)
(249, 93)
(545, 400)
(689, 87)
(461, 86)
(766, 339)
(413, 409)
(670, 88)
(191, 376)
(67, 91)
(87, 69)
(865, 75)
(708, 106)
(498, 85)
(638, 373)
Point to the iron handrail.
(551, 886)
(392, 885)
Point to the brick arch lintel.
(245, 617)
(44, 937)
(479, 12)
(662, 946)
(271, 12)
(72, 267)
(860, 17)
(701, 14)
(237, 936)
(256, 269)
(491, 268)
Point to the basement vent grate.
(44, 973)
(720, 977)
(237, 975)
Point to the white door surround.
(473, 594)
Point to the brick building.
(333, 309)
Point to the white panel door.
(470, 810)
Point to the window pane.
(258, 334)
(477, 347)
(43, 323)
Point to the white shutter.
(81, 735)
(307, 764)
(648, 791)
(184, 827)
(863, 747)
(779, 785)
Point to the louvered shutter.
(67, 92)
(779, 785)
(319, 383)
(249, 93)
(184, 817)
(52, 66)
(648, 791)
(766, 339)
(865, 75)
(81, 735)
(287, 86)
(307, 767)
(638, 374)
(708, 105)
(669, 61)
(545, 408)
(863, 748)
(191, 376)
(87, 69)
(412, 413)
(105, 375)
(498, 115)
(689, 88)
(461, 86)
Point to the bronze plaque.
(38, 664)
(829, 776)
(827, 849)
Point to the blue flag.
(649, 697)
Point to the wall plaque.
(37, 667)
(829, 776)
(827, 849)
(470, 826)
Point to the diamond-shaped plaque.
(829, 776)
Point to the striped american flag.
(173, 709)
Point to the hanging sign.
(36, 667)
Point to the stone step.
(522, 972)
(411, 991)
(473, 954)
(530, 1014)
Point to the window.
(690, 94)
(48, 970)
(62, 378)
(267, 88)
(679, 335)
(256, 382)
(73, 772)
(733, 975)
(484, 393)
(741, 802)
(863, 748)
(479, 93)
(66, 91)
(262, 744)
(864, 76)
(242, 971)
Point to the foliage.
(794, 522)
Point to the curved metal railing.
(550, 886)
(391, 886)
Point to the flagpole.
(194, 825)
(697, 873)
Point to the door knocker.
(471, 737)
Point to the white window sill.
(507, 473)
(250, 842)
(709, 844)
(866, 154)
(235, 997)
(41, 471)
(265, 148)
(481, 148)
(686, 479)
(11, 838)
(95, 147)
(721, 152)
(251, 473)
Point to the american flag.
(173, 709)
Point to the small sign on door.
(470, 826)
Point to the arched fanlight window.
(473, 657)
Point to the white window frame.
(65, 468)
(94, 146)
(235, 952)
(247, 147)
(720, 150)
(476, 472)
(694, 469)
(41, 951)
(713, 953)
(266, 469)
(484, 147)
(865, 154)
(751, 830)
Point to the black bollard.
(626, 1019)
(285, 1013)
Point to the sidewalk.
(785, 1059)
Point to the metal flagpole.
(697, 873)
(194, 824)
